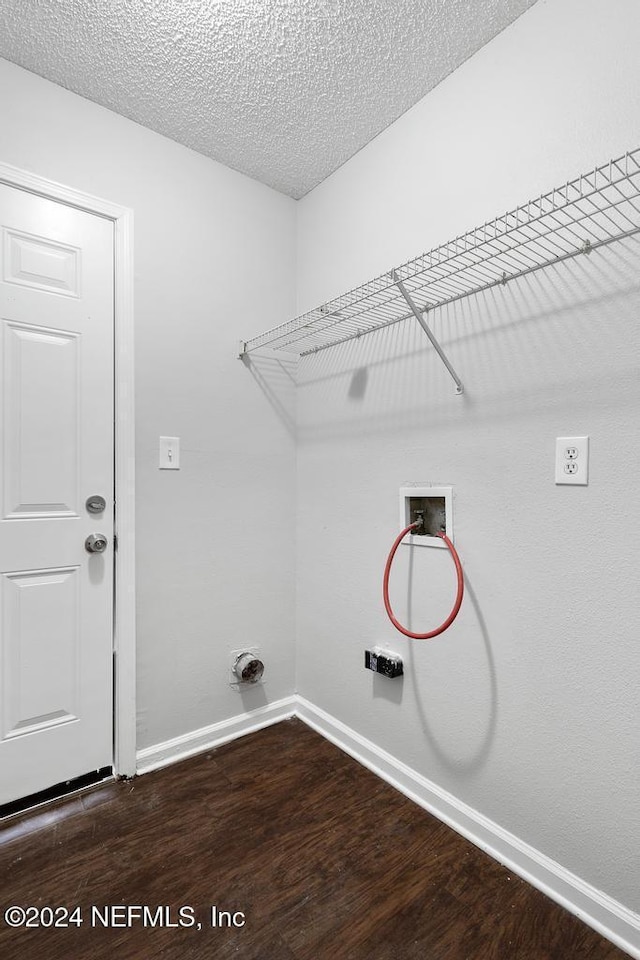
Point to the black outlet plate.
(387, 664)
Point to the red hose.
(459, 594)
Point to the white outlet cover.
(426, 491)
(572, 461)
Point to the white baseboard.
(189, 744)
(603, 913)
(610, 918)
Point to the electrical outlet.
(572, 460)
(381, 661)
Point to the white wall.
(214, 260)
(528, 708)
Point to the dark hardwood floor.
(318, 857)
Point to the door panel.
(40, 362)
(41, 668)
(56, 420)
(35, 262)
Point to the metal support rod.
(423, 323)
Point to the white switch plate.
(169, 453)
(572, 460)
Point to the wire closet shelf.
(586, 213)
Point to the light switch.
(169, 453)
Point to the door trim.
(124, 760)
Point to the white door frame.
(124, 761)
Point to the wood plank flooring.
(319, 857)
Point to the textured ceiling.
(282, 90)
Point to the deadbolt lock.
(95, 504)
(95, 543)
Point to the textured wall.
(527, 709)
(284, 91)
(214, 541)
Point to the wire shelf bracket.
(425, 326)
(576, 218)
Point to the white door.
(56, 451)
